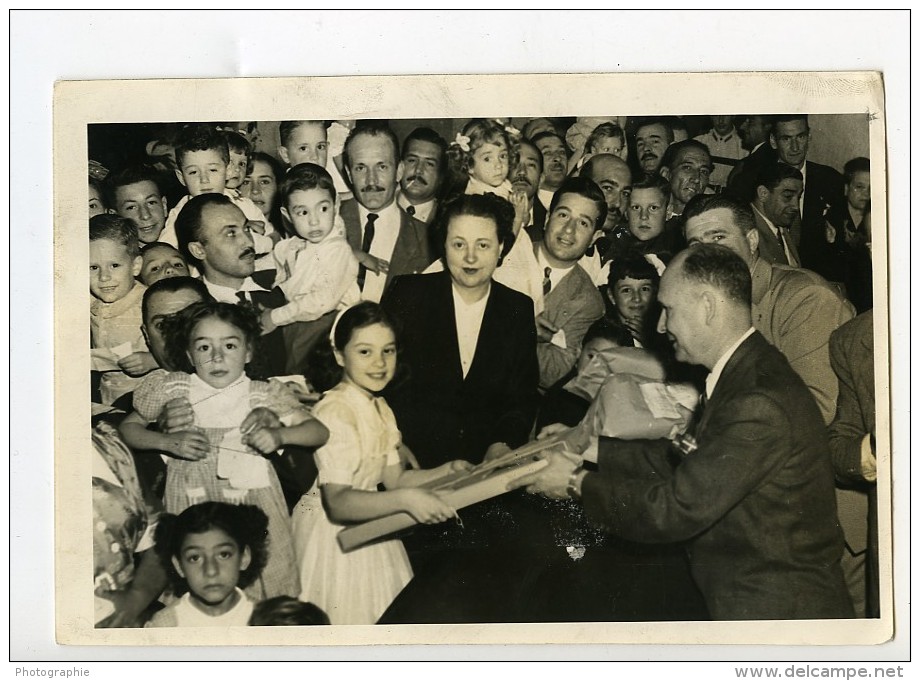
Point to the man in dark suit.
(612, 175)
(387, 241)
(752, 492)
(755, 136)
(852, 442)
(823, 188)
(214, 234)
(424, 161)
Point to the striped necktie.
(547, 282)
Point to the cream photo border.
(80, 103)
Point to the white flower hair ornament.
(462, 141)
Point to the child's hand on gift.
(138, 363)
(426, 507)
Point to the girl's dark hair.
(247, 525)
(178, 328)
(278, 170)
(323, 371)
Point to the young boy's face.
(307, 144)
(646, 213)
(111, 270)
(211, 563)
(591, 349)
(236, 171)
(312, 212)
(162, 262)
(143, 204)
(203, 172)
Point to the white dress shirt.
(468, 318)
(386, 232)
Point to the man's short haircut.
(516, 153)
(173, 285)
(306, 176)
(657, 120)
(527, 130)
(372, 128)
(788, 118)
(587, 170)
(654, 182)
(672, 153)
(718, 266)
(860, 164)
(742, 213)
(632, 267)
(427, 135)
(487, 206)
(130, 175)
(772, 174)
(201, 137)
(188, 222)
(583, 187)
(546, 134)
(287, 128)
(115, 228)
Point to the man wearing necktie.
(776, 209)
(424, 159)
(393, 242)
(755, 499)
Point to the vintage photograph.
(371, 353)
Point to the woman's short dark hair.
(488, 206)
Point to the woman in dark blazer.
(465, 394)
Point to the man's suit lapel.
(728, 381)
(352, 220)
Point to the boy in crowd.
(135, 193)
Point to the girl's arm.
(188, 444)
(309, 433)
(401, 478)
(345, 504)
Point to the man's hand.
(138, 363)
(552, 480)
(495, 450)
(265, 319)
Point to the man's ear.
(400, 168)
(181, 179)
(708, 305)
(665, 172)
(197, 250)
(773, 140)
(144, 334)
(136, 266)
(753, 239)
(762, 193)
(165, 205)
(178, 566)
(283, 153)
(598, 233)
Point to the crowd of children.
(234, 550)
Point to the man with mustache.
(555, 164)
(612, 175)
(215, 234)
(424, 156)
(386, 240)
(526, 170)
(653, 136)
(776, 208)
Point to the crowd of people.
(290, 339)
